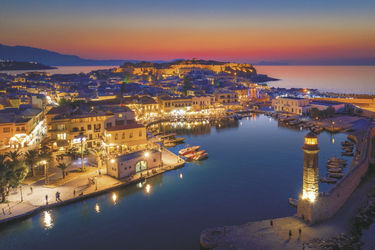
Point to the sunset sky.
(239, 31)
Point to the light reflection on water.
(48, 221)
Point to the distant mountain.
(29, 54)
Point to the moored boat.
(335, 175)
(327, 180)
(200, 157)
(293, 202)
(347, 153)
(188, 150)
(335, 170)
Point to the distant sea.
(341, 79)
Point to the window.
(126, 168)
(109, 124)
(61, 136)
(23, 128)
(18, 129)
(154, 160)
(140, 133)
(6, 130)
(120, 115)
(130, 167)
(61, 127)
(123, 135)
(89, 127)
(131, 135)
(116, 136)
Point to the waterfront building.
(91, 122)
(122, 138)
(125, 165)
(293, 105)
(202, 102)
(310, 188)
(168, 104)
(226, 98)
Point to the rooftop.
(126, 126)
(135, 155)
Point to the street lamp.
(21, 193)
(96, 182)
(45, 172)
(80, 138)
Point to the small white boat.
(193, 154)
(188, 150)
(200, 157)
(347, 153)
(293, 202)
(169, 144)
(173, 140)
(327, 180)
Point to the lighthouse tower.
(310, 189)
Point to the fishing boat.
(347, 143)
(173, 140)
(347, 153)
(188, 150)
(335, 175)
(317, 129)
(293, 202)
(200, 157)
(193, 154)
(169, 144)
(327, 180)
(335, 170)
(163, 136)
(336, 159)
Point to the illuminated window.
(6, 130)
(120, 115)
(116, 136)
(61, 136)
(131, 135)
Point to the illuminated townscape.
(200, 125)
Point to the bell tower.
(310, 189)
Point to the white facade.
(292, 105)
(135, 162)
(201, 102)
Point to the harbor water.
(254, 166)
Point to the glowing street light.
(80, 138)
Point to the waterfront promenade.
(35, 201)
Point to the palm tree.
(98, 153)
(47, 157)
(63, 166)
(32, 157)
(13, 155)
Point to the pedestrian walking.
(299, 231)
(31, 189)
(290, 234)
(57, 196)
(74, 193)
(271, 223)
(46, 199)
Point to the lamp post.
(80, 138)
(45, 172)
(96, 182)
(21, 193)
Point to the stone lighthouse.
(307, 201)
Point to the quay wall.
(326, 206)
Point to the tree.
(32, 157)
(331, 111)
(63, 166)
(47, 157)
(359, 111)
(14, 155)
(187, 84)
(315, 112)
(12, 173)
(98, 153)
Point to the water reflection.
(97, 208)
(180, 175)
(114, 198)
(148, 188)
(48, 222)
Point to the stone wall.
(326, 206)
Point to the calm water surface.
(341, 79)
(254, 166)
